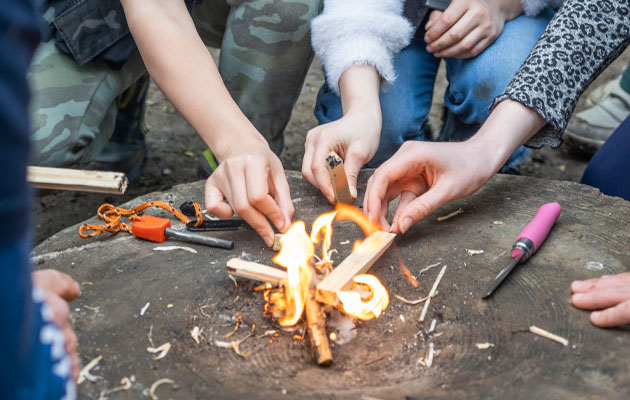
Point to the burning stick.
(316, 329)
(548, 335)
(431, 293)
(356, 263)
(255, 271)
(338, 178)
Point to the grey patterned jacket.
(582, 39)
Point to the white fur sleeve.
(533, 7)
(354, 32)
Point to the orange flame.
(346, 211)
(376, 302)
(295, 255)
(322, 227)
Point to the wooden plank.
(356, 263)
(255, 271)
(338, 178)
(80, 180)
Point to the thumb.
(353, 165)
(419, 209)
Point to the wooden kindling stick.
(255, 271)
(356, 263)
(338, 178)
(80, 180)
(316, 331)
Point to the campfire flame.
(376, 302)
(296, 254)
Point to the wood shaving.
(269, 333)
(474, 252)
(144, 309)
(233, 280)
(159, 382)
(234, 344)
(150, 335)
(236, 298)
(414, 302)
(172, 248)
(230, 334)
(196, 334)
(498, 222)
(402, 317)
(345, 242)
(484, 346)
(169, 306)
(87, 283)
(163, 350)
(432, 328)
(429, 360)
(95, 309)
(375, 359)
(126, 383)
(431, 293)
(548, 335)
(203, 313)
(429, 267)
(85, 372)
(451, 215)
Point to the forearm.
(359, 87)
(510, 8)
(509, 126)
(183, 69)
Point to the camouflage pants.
(265, 54)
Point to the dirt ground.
(173, 147)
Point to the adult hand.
(251, 179)
(467, 27)
(426, 175)
(354, 137)
(609, 295)
(59, 288)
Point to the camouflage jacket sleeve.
(355, 32)
(91, 30)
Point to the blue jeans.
(609, 169)
(473, 85)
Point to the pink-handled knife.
(529, 241)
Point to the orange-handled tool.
(158, 230)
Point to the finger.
(76, 367)
(378, 186)
(353, 163)
(71, 341)
(215, 203)
(282, 194)
(318, 168)
(617, 315)
(59, 308)
(478, 49)
(420, 208)
(307, 160)
(448, 18)
(240, 203)
(56, 282)
(433, 17)
(455, 35)
(602, 282)
(258, 195)
(464, 46)
(598, 299)
(405, 199)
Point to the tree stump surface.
(120, 274)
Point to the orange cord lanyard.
(113, 217)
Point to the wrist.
(227, 139)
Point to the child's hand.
(354, 137)
(251, 179)
(467, 27)
(426, 175)
(608, 295)
(59, 288)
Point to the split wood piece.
(255, 271)
(276, 242)
(74, 179)
(338, 178)
(358, 262)
(548, 335)
(316, 330)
